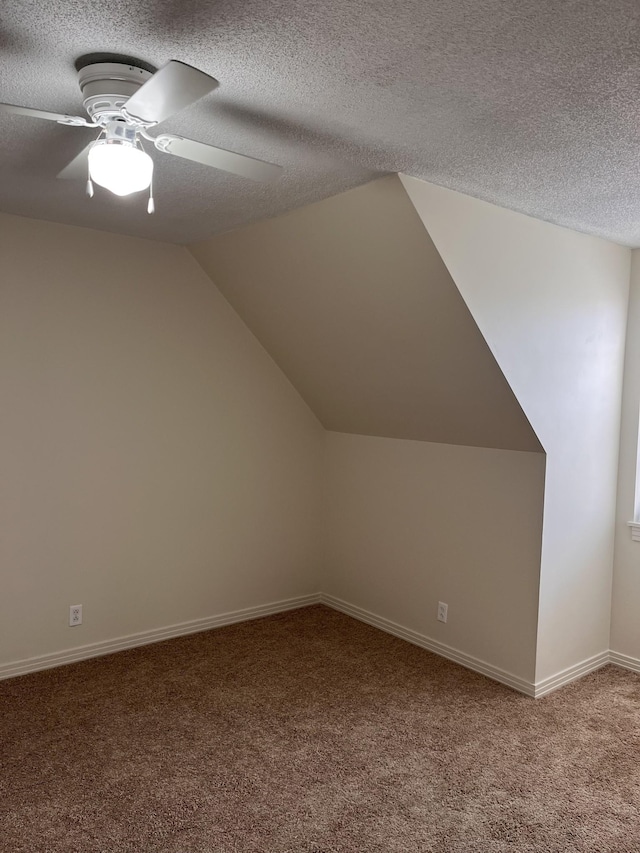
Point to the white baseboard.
(144, 638)
(475, 664)
(572, 673)
(625, 661)
(535, 690)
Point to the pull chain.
(89, 183)
(151, 205)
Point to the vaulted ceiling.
(533, 106)
(355, 304)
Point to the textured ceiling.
(534, 106)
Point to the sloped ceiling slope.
(354, 303)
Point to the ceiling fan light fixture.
(120, 167)
(124, 97)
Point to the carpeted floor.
(310, 732)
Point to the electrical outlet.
(75, 615)
(442, 611)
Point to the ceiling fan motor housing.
(120, 133)
(106, 87)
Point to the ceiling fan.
(123, 100)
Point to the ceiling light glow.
(120, 167)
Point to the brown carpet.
(313, 733)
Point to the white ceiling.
(534, 106)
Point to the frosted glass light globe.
(119, 167)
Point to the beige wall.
(552, 305)
(625, 633)
(408, 524)
(156, 466)
(355, 303)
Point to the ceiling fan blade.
(228, 161)
(74, 121)
(78, 167)
(172, 88)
